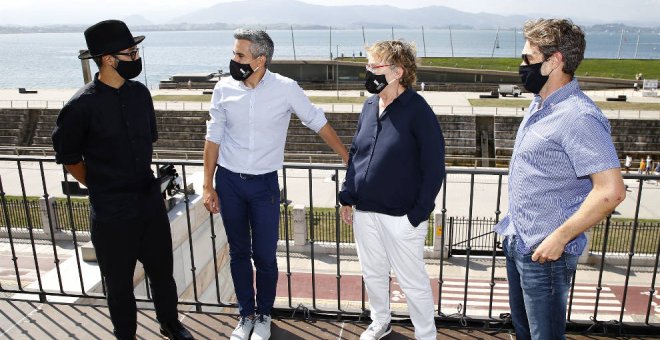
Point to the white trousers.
(387, 242)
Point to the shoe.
(377, 330)
(243, 329)
(261, 328)
(174, 330)
(124, 338)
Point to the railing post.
(439, 231)
(299, 225)
(585, 256)
(45, 208)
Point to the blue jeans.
(538, 293)
(250, 209)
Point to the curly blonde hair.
(399, 53)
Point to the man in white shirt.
(245, 138)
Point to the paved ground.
(31, 320)
(324, 292)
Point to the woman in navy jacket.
(395, 172)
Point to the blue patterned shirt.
(560, 142)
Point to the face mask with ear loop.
(376, 83)
(129, 69)
(240, 71)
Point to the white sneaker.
(243, 329)
(376, 330)
(261, 328)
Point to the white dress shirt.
(250, 125)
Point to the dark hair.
(98, 61)
(557, 35)
(262, 44)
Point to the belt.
(249, 177)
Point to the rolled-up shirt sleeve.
(215, 126)
(69, 135)
(310, 115)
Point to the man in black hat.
(104, 138)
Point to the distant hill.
(136, 20)
(267, 12)
(281, 14)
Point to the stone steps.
(9, 140)
(12, 118)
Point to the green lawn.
(207, 98)
(182, 98)
(491, 102)
(325, 227)
(608, 68)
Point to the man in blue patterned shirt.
(564, 177)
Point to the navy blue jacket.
(396, 164)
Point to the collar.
(267, 76)
(404, 97)
(560, 94)
(101, 86)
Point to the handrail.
(452, 110)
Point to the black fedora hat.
(108, 36)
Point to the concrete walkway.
(432, 97)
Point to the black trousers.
(119, 244)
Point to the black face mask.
(129, 69)
(240, 71)
(531, 77)
(375, 83)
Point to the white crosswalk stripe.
(478, 300)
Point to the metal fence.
(481, 239)
(621, 234)
(343, 108)
(15, 212)
(325, 225)
(642, 319)
(77, 217)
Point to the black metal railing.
(458, 302)
(482, 237)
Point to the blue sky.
(38, 12)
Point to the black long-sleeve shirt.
(396, 165)
(112, 131)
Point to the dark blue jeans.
(538, 293)
(250, 209)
